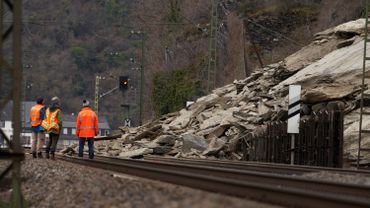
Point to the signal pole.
(212, 64)
(142, 79)
(97, 85)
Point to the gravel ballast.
(48, 183)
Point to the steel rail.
(258, 166)
(264, 187)
(246, 175)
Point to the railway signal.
(123, 83)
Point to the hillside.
(66, 43)
(329, 70)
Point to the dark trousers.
(90, 143)
(51, 146)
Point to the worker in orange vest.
(86, 128)
(37, 114)
(52, 125)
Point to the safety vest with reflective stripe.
(35, 115)
(87, 123)
(50, 123)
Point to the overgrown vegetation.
(80, 57)
(174, 11)
(114, 10)
(172, 89)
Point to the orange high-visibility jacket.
(87, 123)
(51, 123)
(35, 115)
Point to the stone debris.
(329, 70)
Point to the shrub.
(172, 89)
(80, 57)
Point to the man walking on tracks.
(52, 125)
(86, 128)
(37, 114)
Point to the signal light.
(123, 83)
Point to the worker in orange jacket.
(87, 128)
(37, 114)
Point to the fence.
(319, 143)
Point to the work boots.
(34, 154)
(39, 155)
(52, 156)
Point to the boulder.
(211, 122)
(349, 29)
(217, 131)
(168, 140)
(161, 150)
(191, 141)
(113, 153)
(116, 145)
(327, 92)
(135, 153)
(215, 145)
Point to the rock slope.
(329, 70)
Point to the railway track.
(258, 166)
(280, 189)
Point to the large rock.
(165, 140)
(135, 153)
(217, 131)
(343, 65)
(191, 141)
(161, 150)
(116, 145)
(355, 27)
(215, 145)
(211, 122)
(327, 92)
(181, 121)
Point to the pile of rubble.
(328, 69)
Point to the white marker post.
(294, 116)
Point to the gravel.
(48, 183)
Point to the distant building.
(67, 134)
(6, 123)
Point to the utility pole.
(141, 34)
(245, 58)
(142, 80)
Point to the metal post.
(13, 150)
(212, 59)
(363, 83)
(245, 58)
(97, 83)
(142, 80)
(292, 146)
(17, 200)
